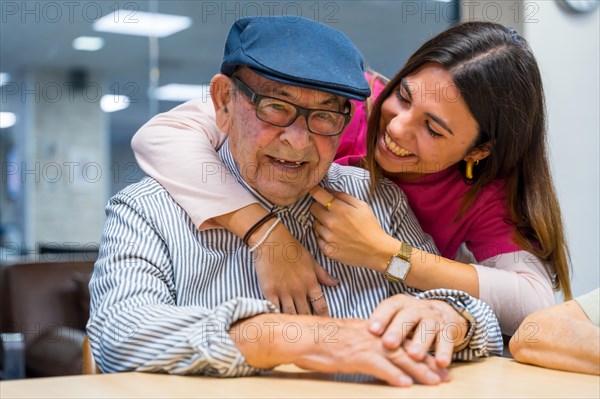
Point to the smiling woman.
(425, 126)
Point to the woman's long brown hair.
(499, 80)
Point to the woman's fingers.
(287, 306)
(317, 301)
(322, 196)
(347, 199)
(324, 277)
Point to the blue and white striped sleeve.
(487, 337)
(135, 323)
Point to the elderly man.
(169, 298)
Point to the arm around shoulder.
(178, 149)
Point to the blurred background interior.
(78, 78)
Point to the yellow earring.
(469, 170)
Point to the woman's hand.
(419, 325)
(291, 283)
(348, 231)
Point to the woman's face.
(425, 126)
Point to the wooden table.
(493, 377)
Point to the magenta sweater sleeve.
(178, 149)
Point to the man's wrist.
(462, 319)
(268, 340)
(255, 339)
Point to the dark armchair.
(48, 302)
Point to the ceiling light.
(181, 92)
(4, 78)
(7, 119)
(88, 43)
(142, 23)
(113, 103)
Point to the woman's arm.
(350, 226)
(513, 284)
(178, 149)
(560, 337)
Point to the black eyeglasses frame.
(256, 98)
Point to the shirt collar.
(299, 209)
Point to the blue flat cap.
(297, 51)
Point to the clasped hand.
(395, 343)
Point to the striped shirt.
(164, 295)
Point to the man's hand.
(289, 276)
(418, 326)
(331, 346)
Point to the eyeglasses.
(282, 113)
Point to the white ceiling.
(37, 35)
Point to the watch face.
(580, 5)
(398, 268)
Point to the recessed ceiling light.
(4, 78)
(142, 23)
(181, 92)
(7, 119)
(113, 103)
(88, 43)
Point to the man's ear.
(478, 153)
(221, 87)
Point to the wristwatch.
(399, 264)
(462, 310)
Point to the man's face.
(281, 163)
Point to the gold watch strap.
(405, 251)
